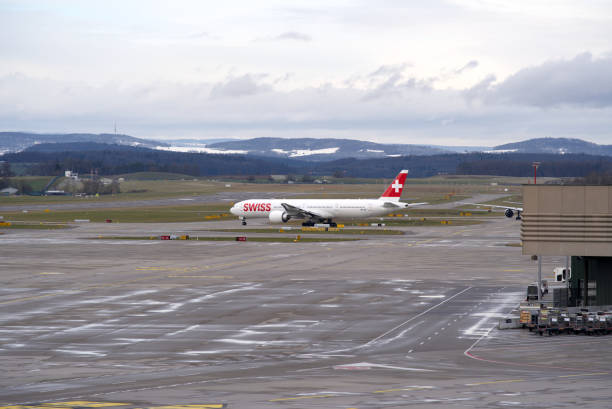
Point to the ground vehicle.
(562, 274)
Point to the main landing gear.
(311, 223)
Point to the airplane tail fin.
(394, 191)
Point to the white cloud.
(243, 85)
(462, 71)
(580, 81)
(293, 35)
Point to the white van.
(562, 274)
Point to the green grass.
(37, 183)
(228, 238)
(159, 214)
(155, 185)
(516, 200)
(156, 176)
(40, 226)
(299, 231)
(417, 212)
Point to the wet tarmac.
(385, 322)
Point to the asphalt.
(384, 322)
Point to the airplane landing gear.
(311, 223)
(243, 219)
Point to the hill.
(18, 141)
(560, 146)
(315, 149)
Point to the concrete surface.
(387, 322)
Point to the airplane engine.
(278, 216)
(509, 213)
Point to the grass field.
(147, 185)
(512, 201)
(159, 214)
(39, 226)
(430, 222)
(417, 212)
(228, 238)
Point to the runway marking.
(209, 406)
(339, 394)
(416, 316)
(493, 382)
(202, 276)
(410, 388)
(87, 404)
(584, 374)
(300, 397)
(68, 405)
(27, 299)
(425, 241)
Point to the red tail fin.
(394, 191)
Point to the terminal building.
(573, 221)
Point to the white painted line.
(416, 316)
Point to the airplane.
(509, 212)
(323, 210)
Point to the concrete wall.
(567, 220)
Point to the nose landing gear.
(243, 219)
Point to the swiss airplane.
(323, 210)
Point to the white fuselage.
(327, 208)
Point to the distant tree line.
(130, 160)
(113, 162)
(593, 178)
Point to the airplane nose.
(234, 210)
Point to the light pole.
(535, 171)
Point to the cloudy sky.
(455, 72)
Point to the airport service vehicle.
(323, 210)
(562, 274)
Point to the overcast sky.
(456, 72)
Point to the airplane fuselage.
(327, 208)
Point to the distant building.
(55, 193)
(106, 181)
(72, 175)
(278, 178)
(8, 191)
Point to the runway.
(389, 321)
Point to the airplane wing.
(395, 205)
(298, 212)
(518, 209)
